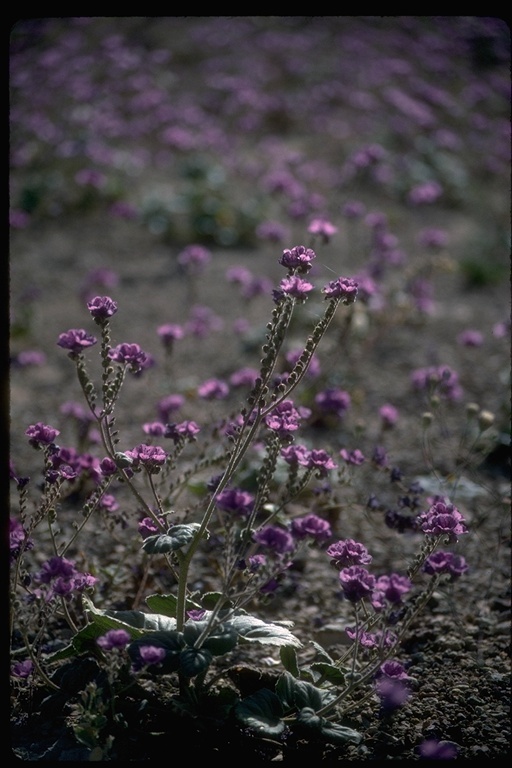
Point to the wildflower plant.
(180, 644)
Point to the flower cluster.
(59, 577)
(443, 519)
(286, 418)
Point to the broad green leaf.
(149, 621)
(219, 641)
(195, 661)
(329, 672)
(255, 630)
(262, 712)
(176, 537)
(125, 619)
(322, 653)
(333, 733)
(166, 605)
(210, 599)
(289, 661)
(297, 694)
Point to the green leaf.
(322, 653)
(148, 621)
(176, 537)
(289, 661)
(298, 694)
(166, 605)
(195, 661)
(255, 630)
(334, 733)
(262, 711)
(127, 619)
(329, 672)
(219, 641)
(311, 724)
(210, 599)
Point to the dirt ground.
(458, 649)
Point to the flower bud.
(485, 420)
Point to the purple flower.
(427, 192)
(41, 434)
(295, 455)
(130, 355)
(393, 670)
(433, 238)
(202, 322)
(343, 288)
(114, 638)
(169, 333)
(196, 614)
(295, 286)
(439, 379)
(154, 428)
(352, 457)
(22, 669)
(152, 457)
(298, 259)
(323, 228)
(353, 209)
(186, 430)
(320, 461)
(76, 340)
(335, 401)
(236, 501)
(389, 415)
(147, 527)
(29, 357)
(470, 338)
(275, 538)
(194, 258)
(108, 502)
(273, 231)
(391, 589)
(244, 377)
(368, 291)
(445, 562)
(17, 538)
(62, 577)
(432, 749)
(311, 525)
(108, 466)
(371, 640)
(76, 411)
(356, 583)
(102, 307)
(392, 693)
(379, 456)
(239, 276)
(348, 552)
(151, 654)
(168, 405)
(285, 418)
(501, 329)
(255, 562)
(213, 389)
(443, 519)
